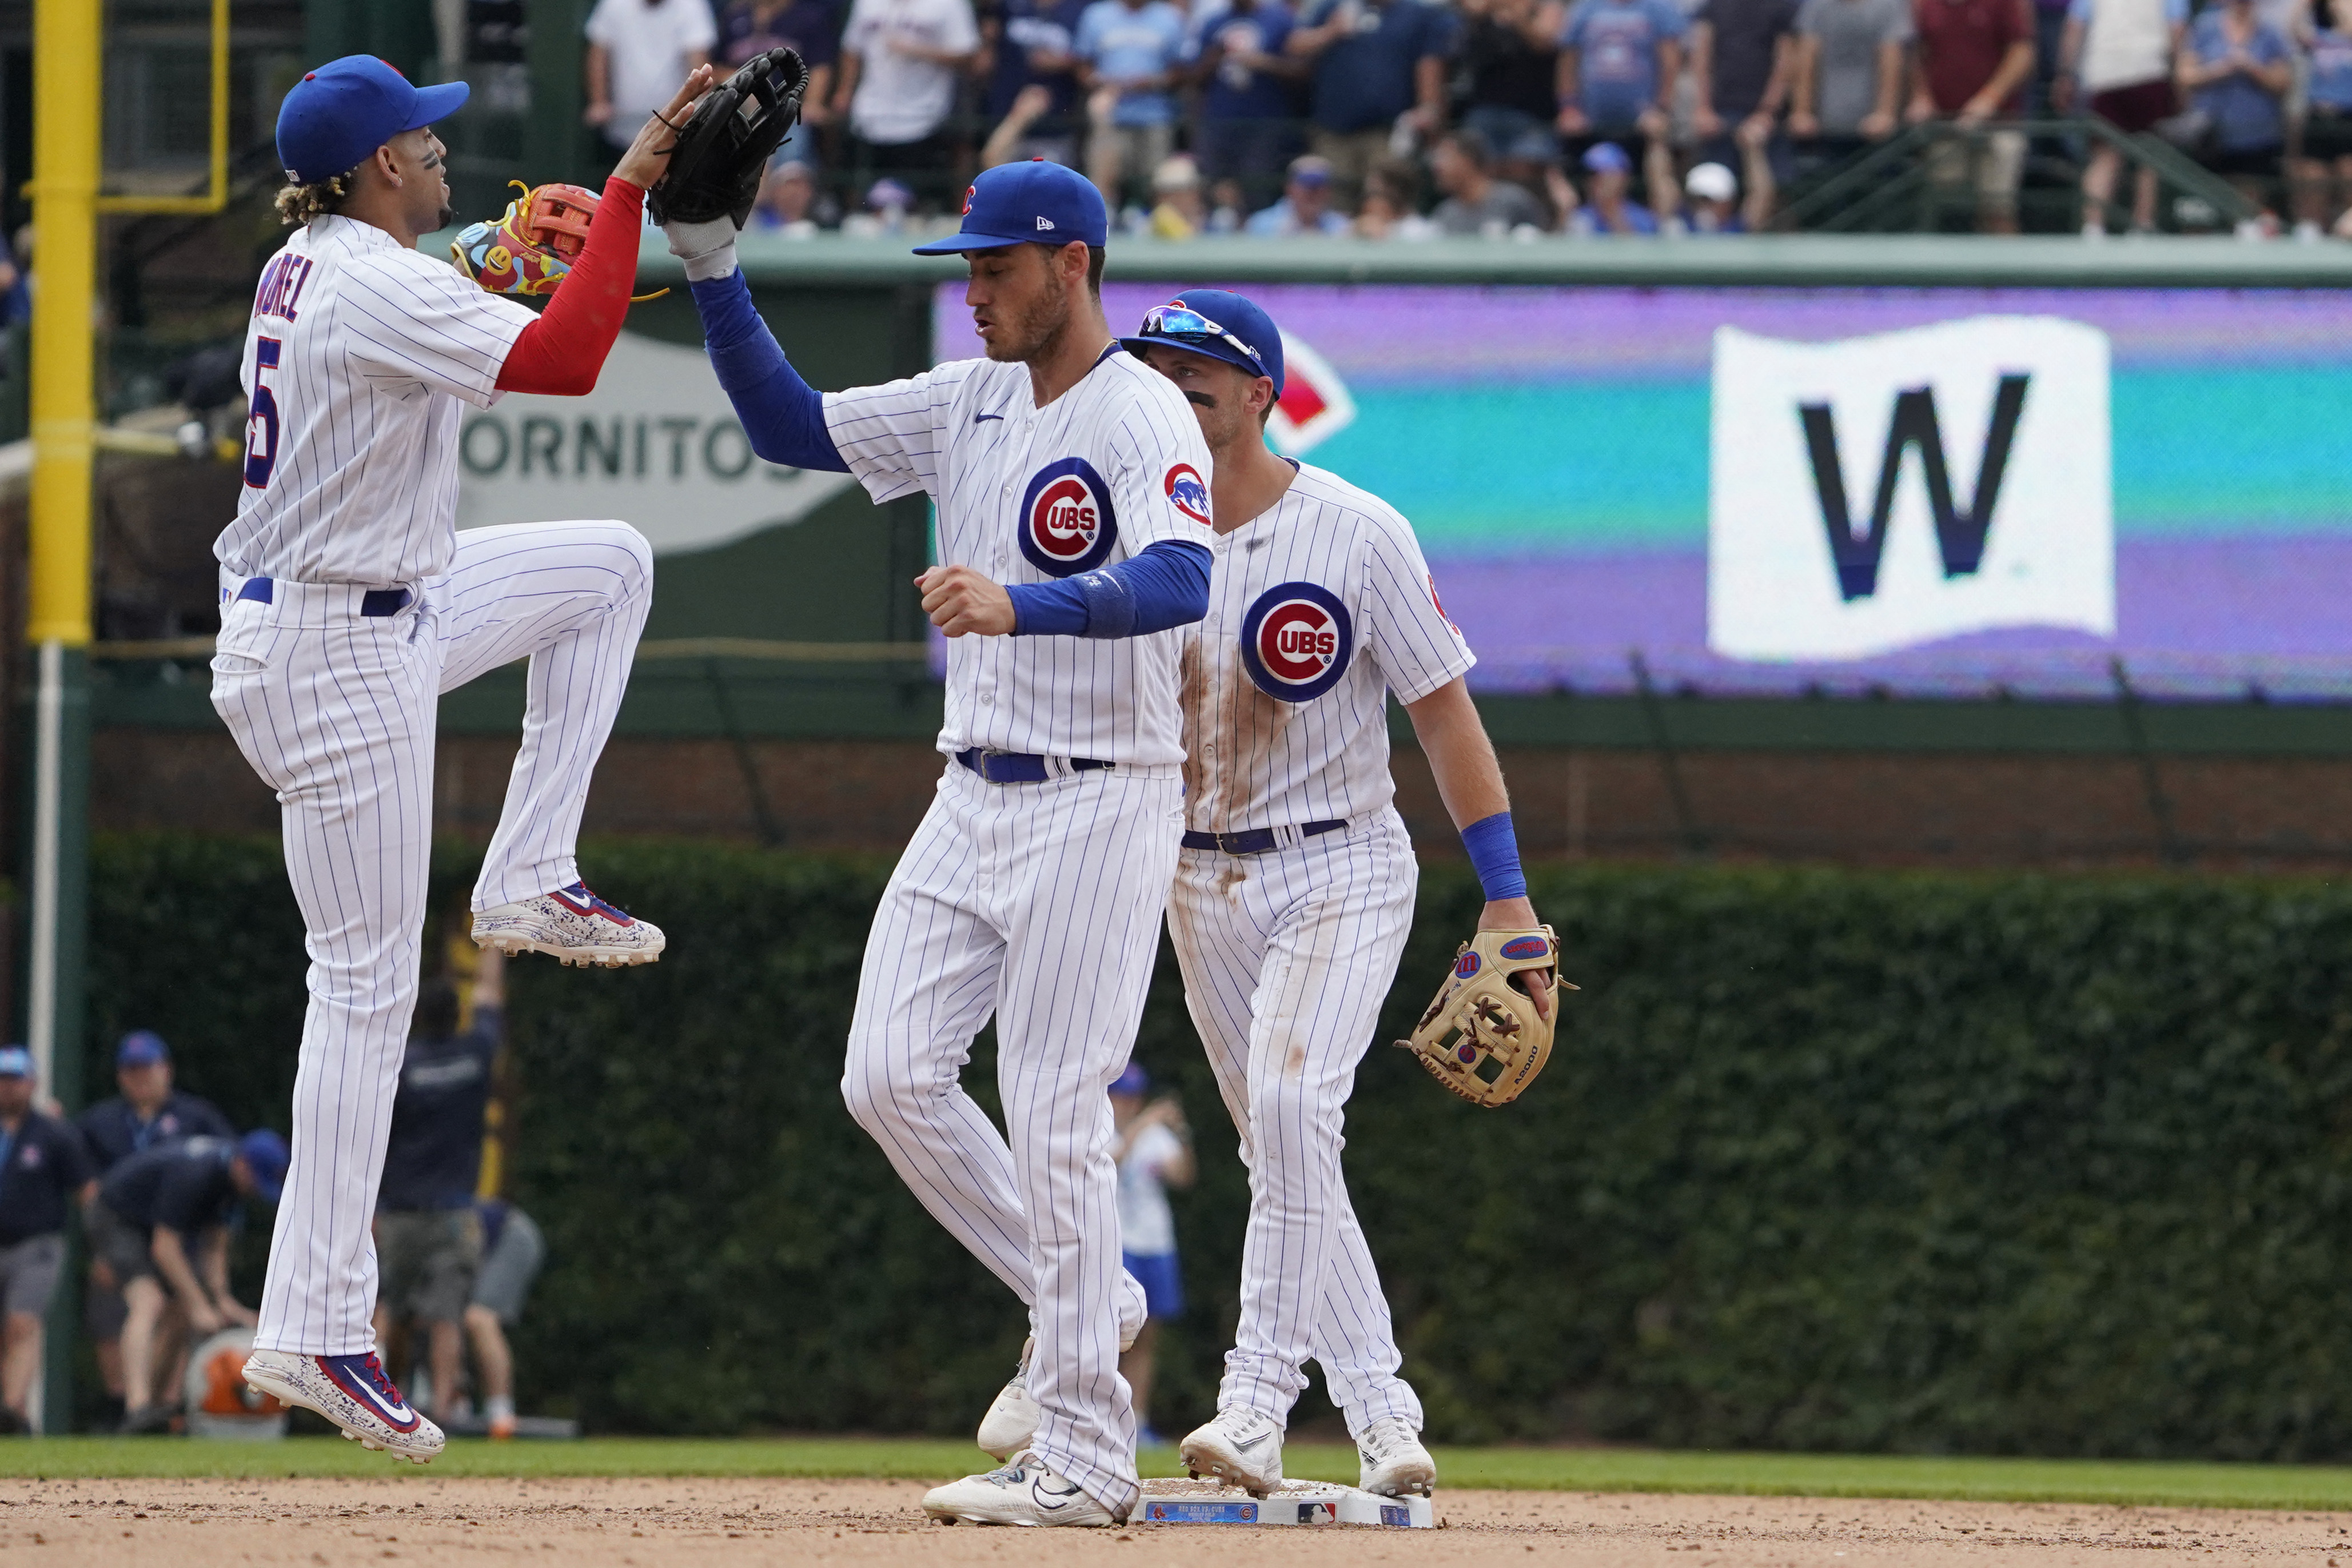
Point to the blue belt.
(374, 601)
(1020, 766)
(1257, 840)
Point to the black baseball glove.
(724, 148)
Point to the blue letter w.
(1959, 536)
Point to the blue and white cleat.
(1023, 1493)
(570, 925)
(352, 1391)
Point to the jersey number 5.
(261, 424)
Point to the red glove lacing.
(562, 353)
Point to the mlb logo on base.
(1877, 493)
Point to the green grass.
(1549, 1469)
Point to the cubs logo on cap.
(1068, 524)
(1189, 492)
(1295, 640)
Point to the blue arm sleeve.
(1493, 849)
(782, 414)
(1163, 585)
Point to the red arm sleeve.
(562, 353)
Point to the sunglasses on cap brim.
(1183, 325)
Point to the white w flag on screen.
(1884, 492)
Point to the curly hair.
(297, 204)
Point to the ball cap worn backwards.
(1235, 317)
(1034, 203)
(340, 113)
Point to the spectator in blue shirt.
(161, 1221)
(2322, 176)
(1618, 63)
(1131, 58)
(1375, 63)
(1030, 44)
(1606, 208)
(749, 27)
(1249, 98)
(147, 1111)
(1306, 206)
(43, 1169)
(2236, 69)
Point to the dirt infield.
(652, 1523)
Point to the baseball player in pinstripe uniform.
(1072, 492)
(1295, 891)
(350, 604)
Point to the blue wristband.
(1495, 852)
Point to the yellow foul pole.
(65, 198)
(66, 85)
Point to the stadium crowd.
(1404, 118)
(160, 1179)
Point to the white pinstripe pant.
(1039, 903)
(1287, 957)
(335, 711)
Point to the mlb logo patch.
(1190, 493)
(1066, 522)
(1295, 641)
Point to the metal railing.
(1888, 188)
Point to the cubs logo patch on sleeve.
(1189, 492)
(1296, 641)
(1066, 523)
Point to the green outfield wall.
(1903, 1163)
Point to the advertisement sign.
(1621, 484)
(656, 444)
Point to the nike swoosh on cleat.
(1253, 1442)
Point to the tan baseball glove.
(1482, 1036)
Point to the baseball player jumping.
(1073, 492)
(1295, 891)
(350, 604)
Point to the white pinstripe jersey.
(1318, 607)
(358, 354)
(1030, 494)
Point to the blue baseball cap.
(1607, 158)
(339, 114)
(140, 1048)
(1134, 1081)
(1034, 203)
(15, 1062)
(1218, 323)
(264, 1153)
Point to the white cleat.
(352, 1391)
(1240, 1447)
(1011, 1424)
(1023, 1493)
(572, 925)
(1013, 1416)
(1392, 1461)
